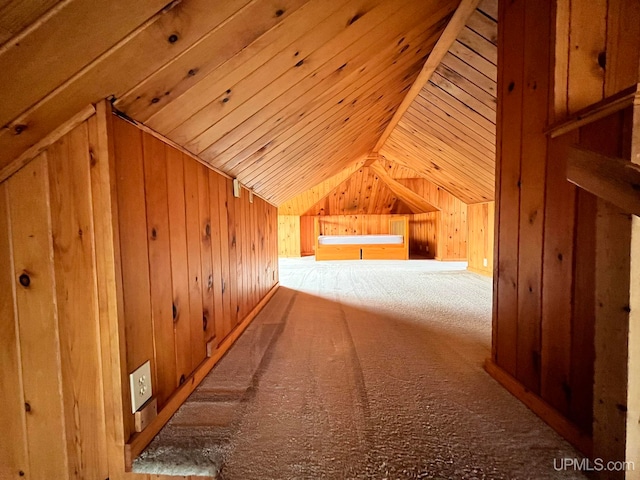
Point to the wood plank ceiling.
(448, 132)
(279, 93)
(373, 188)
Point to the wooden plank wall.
(354, 224)
(307, 242)
(423, 234)
(451, 221)
(50, 369)
(54, 375)
(480, 220)
(289, 236)
(363, 193)
(545, 249)
(195, 259)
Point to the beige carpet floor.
(361, 369)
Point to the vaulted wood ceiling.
(376, 186)
(448, 132)
(282, 94)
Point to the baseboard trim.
(479, 271)
(537, 405)
(139, 441)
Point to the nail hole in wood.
(182, 379)
(207, 230)
(511, 86)
(279, 13)
(25, 280)
(210, 282)
(173, 38)
(204, 322)
(18, 129)
(154, 234)
(175, 312)
(155, 100)
(299, 64)
(192, 72)
(27, 407)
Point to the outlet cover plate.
(140, 386)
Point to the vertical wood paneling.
(588, 29)
(232, 240)
(224, 255)
(217, 264)
(552, 302)
(623, 38)
(480, 238)
(192, 218)
(535, 102)
(307, 243)
(93, 306)
(155, 167)
(13, 454)
(38, 320)
(134, 245)
(423, 234)
(583, 320)
(289, 235)
(110, 295)
(510, 90)
(206, 255)
(179, 262)
(73, 251)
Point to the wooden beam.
(612, 179)
(449, 35)
(408, 196)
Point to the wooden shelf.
(597, 111)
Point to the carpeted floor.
(363, 369)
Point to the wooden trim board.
(597, 111)
(138, 442)
(537, 405)
(43, 144)
(442, 46)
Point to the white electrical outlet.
(485, 262)
(140, 386)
